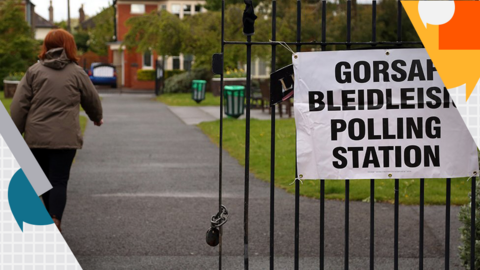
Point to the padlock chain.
(220, 218)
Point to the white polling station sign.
(375, 114)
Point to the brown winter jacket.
(46, 103)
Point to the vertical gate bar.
(347, 182)
(399, 22)
(297, 183)
(322, 224)
(422, 216)
(472, 225)
(374, 22)
(324, 24)
(349, 23)
(322, 182)
(272, 144)
(299, 23)
(247, 152)
(347, 224)
(297, 223)
(397, 184)
(447, 225)
(220, 153)
(372, 181)
(395, 244)
(372, 224)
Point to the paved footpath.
(144, 187)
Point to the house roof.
(88, 23)
(27, 1)
(41, 22)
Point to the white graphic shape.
(37, 247)
(436, 12)
(469, 110)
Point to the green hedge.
(464, 217)
(149, 74)
(146, 74)
(173, 72)
(182, 83)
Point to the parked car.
(103, 74)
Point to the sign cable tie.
(285, 45)
(296, 179)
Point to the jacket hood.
(56, 59)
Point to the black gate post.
(247, 152)
(422, 217)
(472, 224)
(272, 142)
(158, 76)
(372, 181)
(322, 181)
(447, 224)
(297, 182)
(347, 181)
(220, 151)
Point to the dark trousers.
(56, 164)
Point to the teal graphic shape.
(26, 206)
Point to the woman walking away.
(45, 109)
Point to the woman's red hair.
(59, 38)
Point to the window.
(137, 9)
(187, 10)
(147, 60)
(163, 7)
(198, 8)
(187, 62)
(175, 62)
(262, 68)
(176, 10)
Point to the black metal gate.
(159, 76)
(348, 43)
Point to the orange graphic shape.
(455, 67)
(461, 32)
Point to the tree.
(102, 33)
(62, 24)
(161, 32)
(203, 38)
(387, 25)
(18, 48)
(81, 39)
(216, 5)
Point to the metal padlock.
(213, 237)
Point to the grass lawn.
(185, 99)
(7, 101)
(234, 142)
(83, 123)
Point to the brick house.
(128, 63)
(40, 25)
(29, 11)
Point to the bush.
(173, 72)
(182, 83)
(16, 76)
(464, 217)
(146, 74)
(18, 47)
